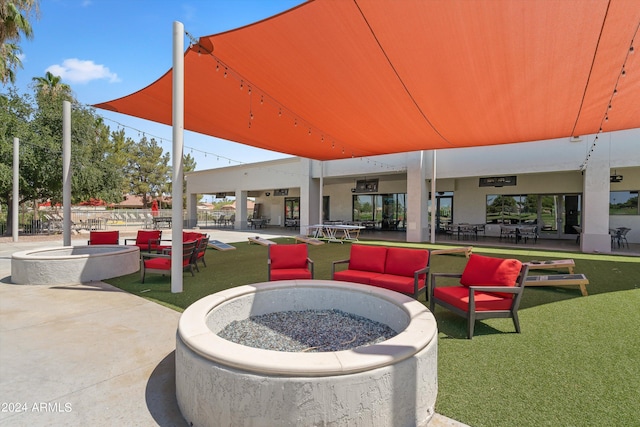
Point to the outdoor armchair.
(489, 287)
(287, 262)
(111, 237)
(146, 240)
(161, 263)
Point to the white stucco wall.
(541, 167)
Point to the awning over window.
(335, 79)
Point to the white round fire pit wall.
(73, 264)
(221, 383)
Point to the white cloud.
(74, 70)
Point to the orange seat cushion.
(355, 276)
(458, 296)
(290, 274)
(403, 284)
(161, 263)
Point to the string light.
(605, 118)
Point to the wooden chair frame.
(471, 314)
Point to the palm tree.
(14, 24)
(51, 85)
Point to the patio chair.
(161, 263)
(622, 236)
(489, 287)
(111, 237)
(198, 254)
(146, 240)
(288, 262)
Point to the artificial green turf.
(576, 362)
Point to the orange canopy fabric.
(335, 79)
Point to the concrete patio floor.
(90, 354)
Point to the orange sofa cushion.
(355, 276)
(367, 258)
(403, 284)
(405, 262)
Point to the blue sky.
(105, 49)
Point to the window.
(383, 211)
(506, 209)
(623, 203)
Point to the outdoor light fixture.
(267, 194)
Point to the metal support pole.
(321, 217)
(178, 147)
(66, 173)
(432, 233)
(16, 189)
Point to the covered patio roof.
(337, 79)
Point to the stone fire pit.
(391, 383)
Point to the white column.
(66, 173)
(241, 210)
(16, 189)
(417, 224)
(178, 147)
(309, 196)
(192, 209)
(595, 213)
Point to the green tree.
(188, 165)
(147, 169)
(95, 171)
(15, 114)
(14, 23)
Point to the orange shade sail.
(336, 79)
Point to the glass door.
(444, 210)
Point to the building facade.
(567, 187)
